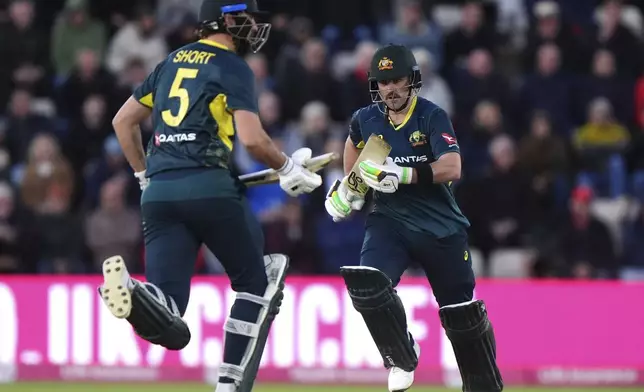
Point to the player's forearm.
(259, 145)
(129, 137)
(265, 151)
(441, 172)
(350, 156)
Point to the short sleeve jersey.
(424, 136)
(193, 94)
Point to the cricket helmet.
(246, 32)
(394, 62)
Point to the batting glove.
(143, 180)
(340, 201)
(385, 178)
(294, 178)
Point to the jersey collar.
(213, 43)
(412, 106)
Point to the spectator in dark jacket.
(585, 243)
(548, 89)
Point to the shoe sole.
(114, 292)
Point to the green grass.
(78, 387)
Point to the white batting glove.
(143, 180)
(385, 178)
(340, 201)
(294, 178)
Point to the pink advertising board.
(548, 333)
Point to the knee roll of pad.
(470, 332)
(374, 297)
(244, 374)
(156, 321)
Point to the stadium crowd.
(547, 99)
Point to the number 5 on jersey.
(176, 91)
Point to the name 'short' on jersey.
(193, 57)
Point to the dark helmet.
(393, 62)
(246, 32)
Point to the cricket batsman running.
(415, 219)
(201, 97)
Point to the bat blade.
(270, 176)
(376, 150)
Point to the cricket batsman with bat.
(415, 219)
(201, 97)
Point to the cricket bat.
(376, 150)
(269, 176)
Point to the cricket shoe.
(116, 290)
(399, 379)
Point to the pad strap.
(254, 298)
(234, 372)
(241, 327)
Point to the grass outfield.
(77, 387)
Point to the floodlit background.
(547, 99)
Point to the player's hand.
(385, 178)
(295, 179)
(340, 201)
(143, 180)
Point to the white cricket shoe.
(116, 289)
(399, 379)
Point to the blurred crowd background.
(547, 99)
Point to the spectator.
(60, 235)
(313, 131)
(48, 176)
(171, 14)
(24, 52)
(542, 152)
(412, 29)
(479, 82)
(499, 203)
(601, 131)
(300, 31)
(137, 39)
(471, 34)
(487, 123)
(114, 228)
(21, 125)
(75, 30)
(543, 158)
(585, 244)
(100, 169)
(132, 76)
(263, 80)
(86, 78)
(356, 87)
(548, 90)
(311, 81)
(619, 39)
(434, 87)
(87, 136)
(605, 82)
(550, 29)
(270, 117)
(183, 34)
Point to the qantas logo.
(176, 138)
(411, 159)
(450, 140)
